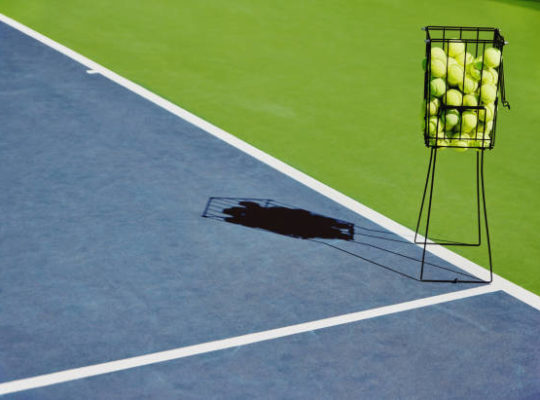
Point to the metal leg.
(479, 156)
(486, 218)
(423, 197)
(480, 193)
(434, 157)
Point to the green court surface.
(334, 89)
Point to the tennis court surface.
(144, 257)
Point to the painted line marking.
(92, 71)
(182, 352)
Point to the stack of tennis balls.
(457, 78)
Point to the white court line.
(182, 352)
(444, 253)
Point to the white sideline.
(444, 253)
(148, 359)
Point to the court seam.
(499, 283)
(242, 340)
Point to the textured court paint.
(318, 88)
(105, 254)
(189, 351)
(484, 347)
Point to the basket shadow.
(375, 246)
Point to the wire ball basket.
(463, 81)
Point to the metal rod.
(434, 150)
(423, 197)
(486, 219)
(478, 195)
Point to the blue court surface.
(127, 231)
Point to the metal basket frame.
(471, 38)
(446, 35)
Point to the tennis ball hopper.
(463, 83)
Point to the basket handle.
(503, 91)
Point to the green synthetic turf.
(334, 89)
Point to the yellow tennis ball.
(468, 85)
(451, 61)
(468, 121)
(481, 130)
(455, 74)
(435, 126)
(433, 106)
(437, 87)
(487, 113)
(430, 108)
(488, 93)
(438, 68)
(495, 75)
(464, 59)
(453, 97)
(451, 119)
(460, 145)
(456, 48)
(438, 54)
(461, 142)
(486, 128)
(490, 76)
(474, 69)
(492, 57)
(470, 100)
